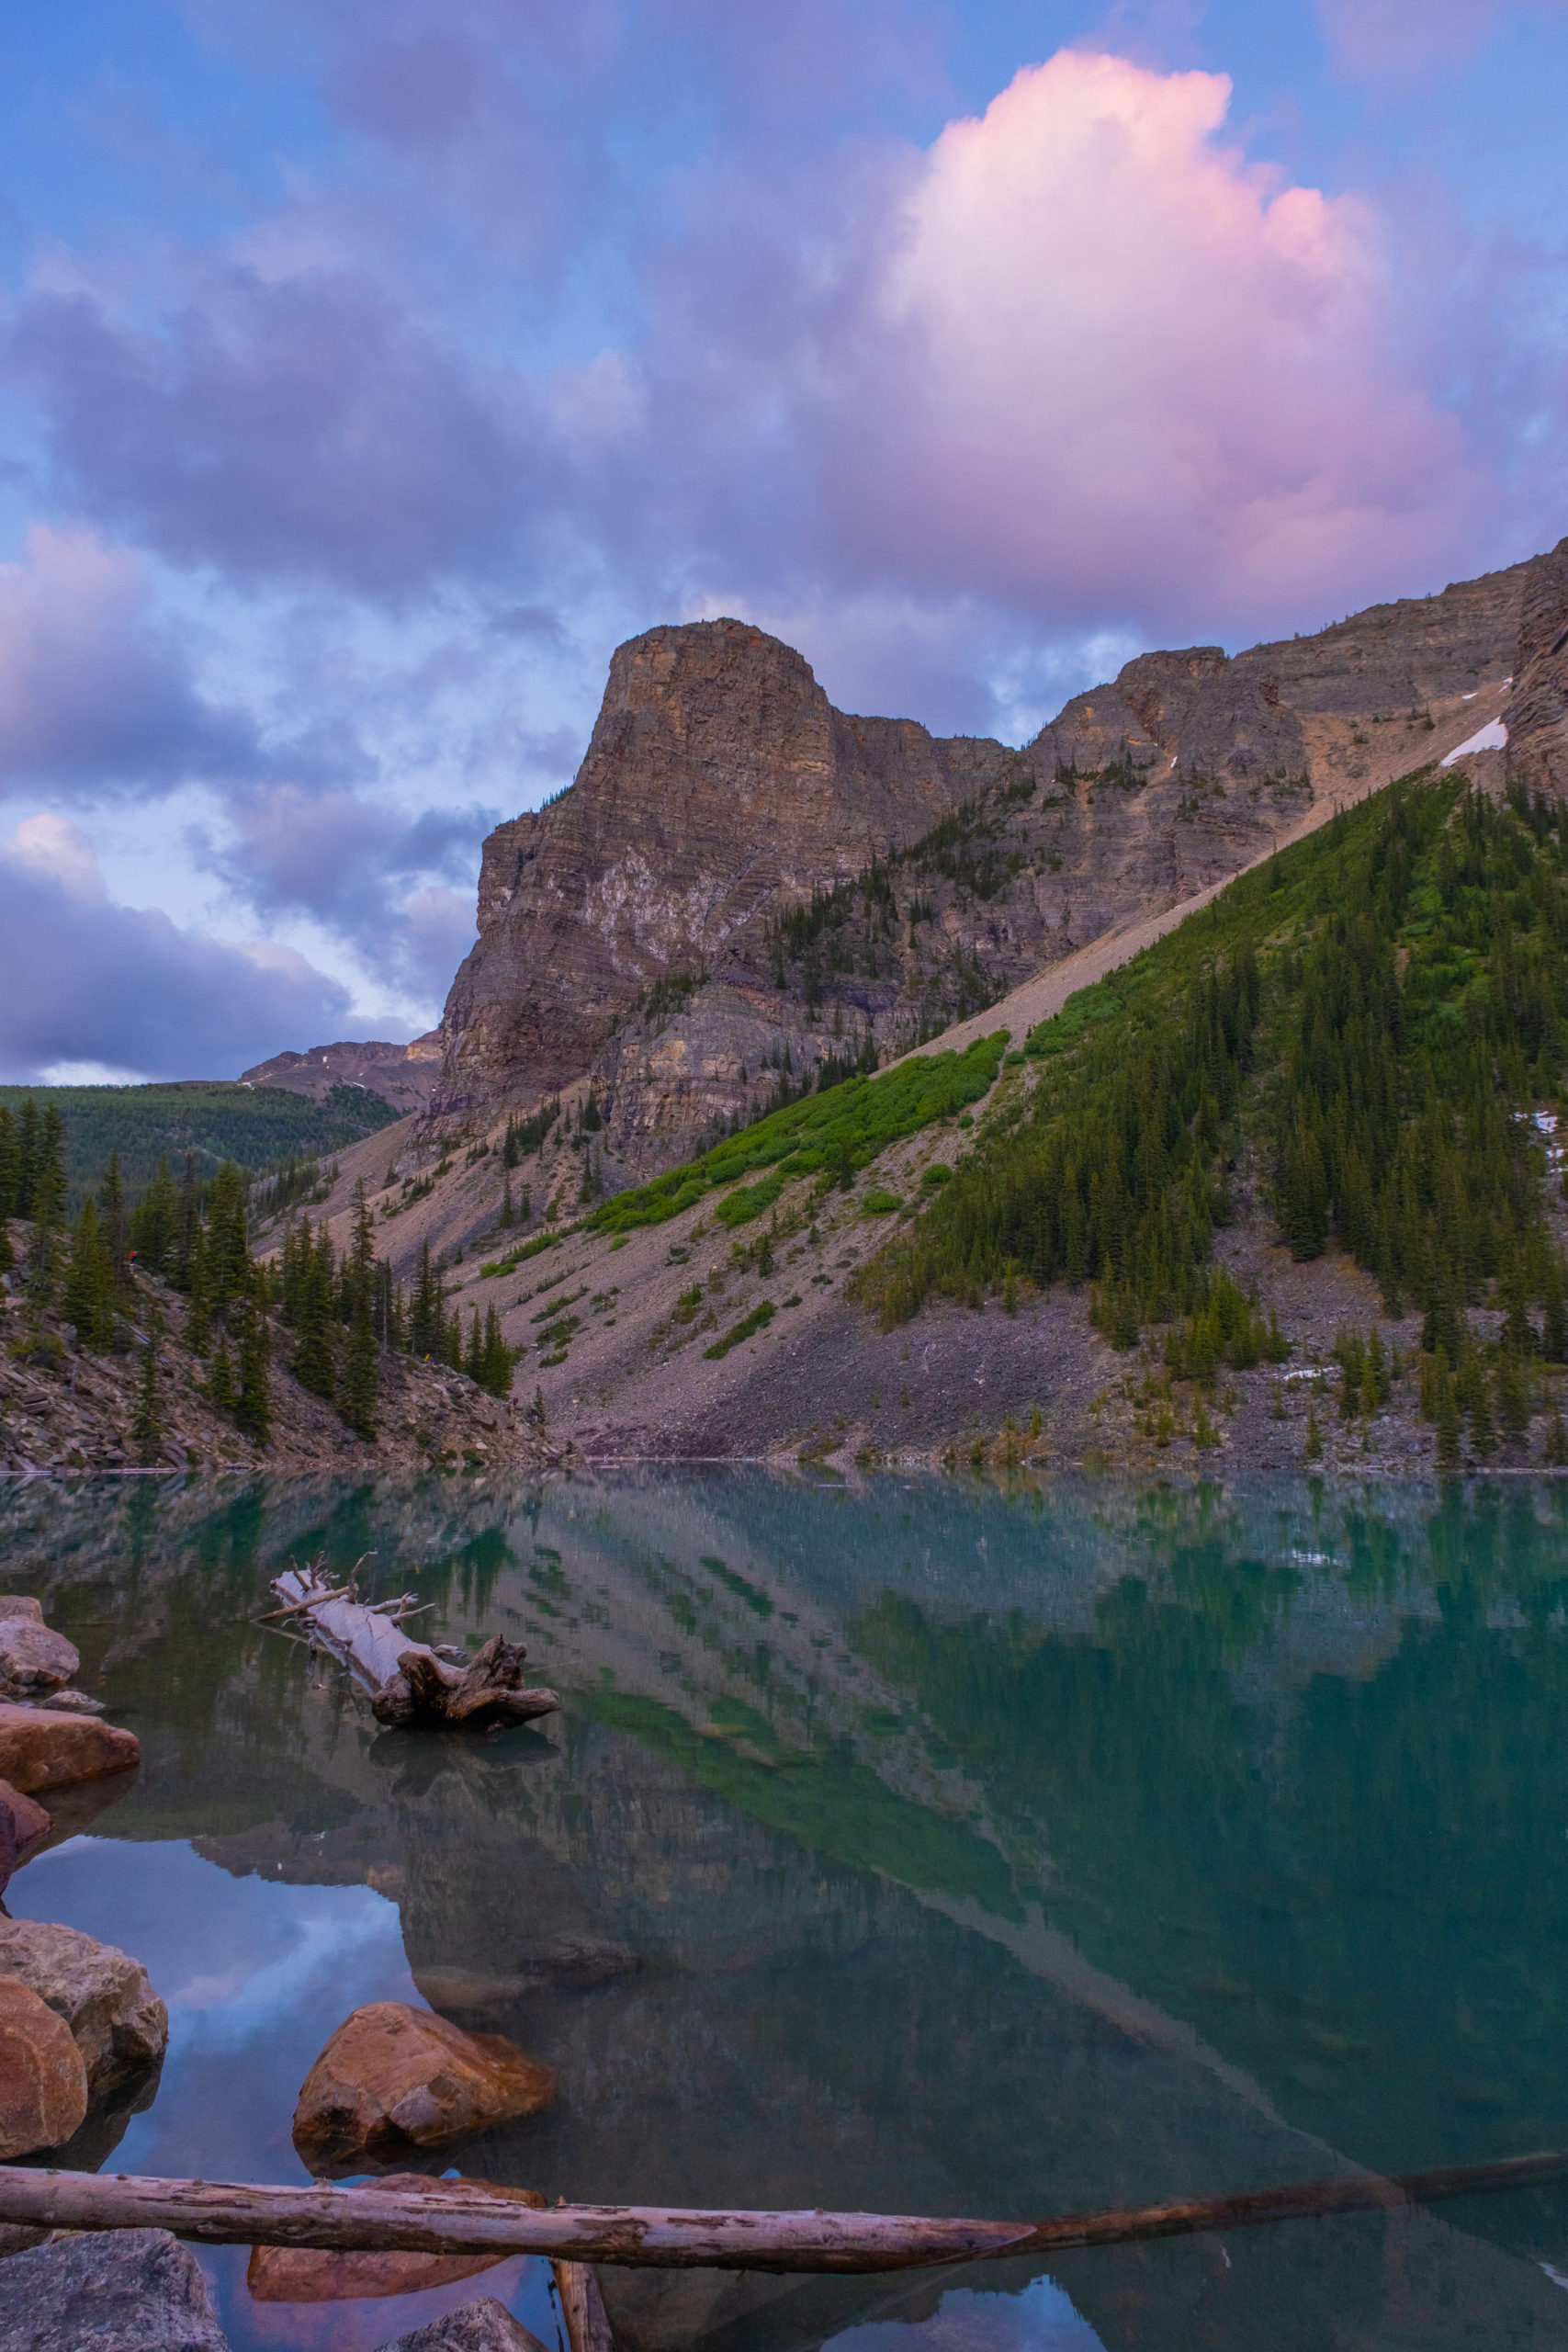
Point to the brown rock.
(484, 2326)
(31, 1823)
(119, 2024)
(21, 1604)
(32, 1658)
(286, 2274)
(41, 1749)
(392, 2077)
(43, 2084)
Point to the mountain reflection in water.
(983, 1854)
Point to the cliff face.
(719, 782)
(1536, 713)
(402, 1075)
(703, 902)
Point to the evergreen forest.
(1367, 1034)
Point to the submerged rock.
(484, 2326)
(43, 2083)
(42, 1747)
(392, 2077)
(119, 2024)
(107, 2290)
(288, 2274)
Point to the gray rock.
(581, 1964)
(121, 2026)
(107, 2290)
(484, 2326)
(34, 1658)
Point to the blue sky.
(368, 371)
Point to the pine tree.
(508, 1215)
(220, 1378)
(115, 1221)
(188, 1238)
(1557, 1442)
(1483, 1431)
(46, 1207)
(252, 1407)
(452, 1340)
(1445, 1412)
(1314, 1435)
(426, 1309)
(154, 1222)
(359, 1390)
(198, 1303)
(1514, 1399)
(228, 1251)
(89, 1284)
(474, 1359)
(147, 1423)
(313, 1363)
(10, 1166)
(495, 1372)
(27, 1156)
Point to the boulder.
(30, 1821)
(393, 2078)
(23, 1826)
(43, 2084)
(31, 1656)
(43, 1748)
(484, 2326)
(288, 2274)
(121, 2026)
(20, 1604)
(107, 2290)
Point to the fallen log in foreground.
(235, 2213)
(408, 1682)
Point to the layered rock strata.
(743, 882)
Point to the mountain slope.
(739, 873)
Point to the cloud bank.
(83, 980)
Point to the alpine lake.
(982, 1852)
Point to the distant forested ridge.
(256, 1127)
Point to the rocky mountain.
(403, 1075)
(743, 883)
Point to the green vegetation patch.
(746, 1328)
(520, 1256)
(839, 1132)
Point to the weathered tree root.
(491, 1691)
(407, 1682)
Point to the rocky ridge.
(742, 877)
(400, 1075)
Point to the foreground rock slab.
(484, 2326)
(394, 2077)
(105, 1998)
(107, 2290)
(286, 2274)
(43, 2083)
(42, 1749)
(24, 1825)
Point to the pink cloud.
(1108, 365)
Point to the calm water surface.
(984, 1853)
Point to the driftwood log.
(408, 1682)
(583, 2307)
(356, 2219)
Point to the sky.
(370, 369)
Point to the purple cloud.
(304, 426)
(83, 980)
(94, 696)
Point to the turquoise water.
(982, 1853)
